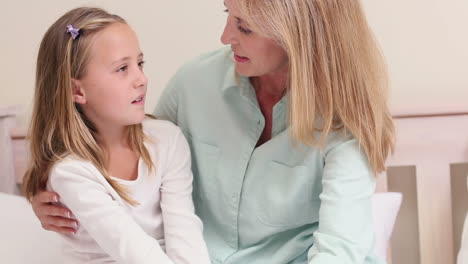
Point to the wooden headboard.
(429, 167)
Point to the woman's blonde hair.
(58, 127)
(337, 73)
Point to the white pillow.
(463, 254)
(22, 238)
(385, 208)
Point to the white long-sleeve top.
(111, 230)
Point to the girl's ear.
(78, 92)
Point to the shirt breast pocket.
(289, 196)
(205, 159)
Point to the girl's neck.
(111, 137)
(121, 159)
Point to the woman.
(287, 128)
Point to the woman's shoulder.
(338, 139)
(208, 64)
(346, 149)
(217, 57)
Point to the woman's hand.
(53, 217)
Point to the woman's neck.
(273, 84)
(269, 90)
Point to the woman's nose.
(229, 34)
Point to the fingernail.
(68, 215)
(55, 199)
(75, 225)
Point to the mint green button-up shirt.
(276, 203)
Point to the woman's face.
(255, 55)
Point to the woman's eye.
(244, 30)
(241, 28)
(141, 64)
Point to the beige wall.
(425, 41)
(426, 45)
(170, 33)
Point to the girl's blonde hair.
(58, 128)
(337, 73)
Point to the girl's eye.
(122, 69)
(141, 64)
(226, 10)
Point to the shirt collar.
(231, 78)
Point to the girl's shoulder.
(163, 139)
(73, 169)
(160, 130)
(73, 163)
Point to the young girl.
(126, 177)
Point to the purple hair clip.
(74, 32)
